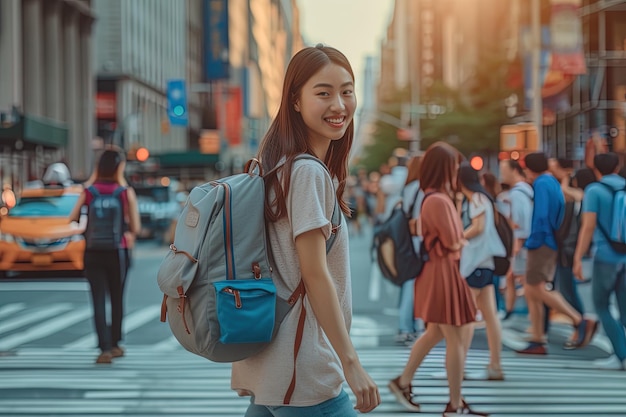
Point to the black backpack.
(105, 220)
(394, 249)
(505, 231)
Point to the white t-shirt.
(503, 204)
(267, 376)
(480, 250)
(521, 197)
(391, 185)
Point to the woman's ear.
(296, 106)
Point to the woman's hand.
(323, 299)
(363, 387)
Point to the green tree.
(474, 113)
(385, 137)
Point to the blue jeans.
(340, 406)
(566, 285)
(609, 279)
(406, 309)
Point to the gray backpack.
(217, 278)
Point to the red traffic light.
(142, 154)
(477, 162)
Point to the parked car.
(158, 208)
(38, 234)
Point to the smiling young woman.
(314, 118)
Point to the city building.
(596, 100)
(139, 46)
(46, 87)
(262, 37)
(367, 109)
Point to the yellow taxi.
(38, 234)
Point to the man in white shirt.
(520, 202)
(392, 184)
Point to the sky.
(355, 27)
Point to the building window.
(616, 31)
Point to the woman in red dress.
(442, 297)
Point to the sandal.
(404, 395)
(464, 410)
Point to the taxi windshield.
(57, 206)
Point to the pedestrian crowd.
(455, 215)
(558, 215)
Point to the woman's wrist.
(349, 359)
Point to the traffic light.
(477, 162)
(142, 154)
(177, 102)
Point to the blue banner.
(216, 45)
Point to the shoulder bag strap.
(94, 191)
(613, 191)
(299, 294)
(417, 195)
(300, 291)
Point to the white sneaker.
(611, 363)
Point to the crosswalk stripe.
(9, 309)
(33, 316)
(131, 322)
(167, 345)
(514, 340)
(45, 328)
(79, 285)
(180, 384)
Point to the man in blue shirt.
(608, 266)
(548, 212)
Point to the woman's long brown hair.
(438, 170)
(415, 165)
(287, 135)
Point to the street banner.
(216, 43)
(567, 37)
(234, 115)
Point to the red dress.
(441, 294)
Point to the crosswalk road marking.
(34, 316)
(131, 322)
(22, 325)
(37, 382)
(9, 309)
(45, 328)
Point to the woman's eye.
(348, 92)
(323, 93)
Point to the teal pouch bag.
(246, 310)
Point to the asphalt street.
(48, 345)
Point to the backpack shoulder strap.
(118, 191)
(613, 191)
(336, 217)
(336, 225)
(417, 196)
(426, 196)
(94, 191)
(300, 290)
